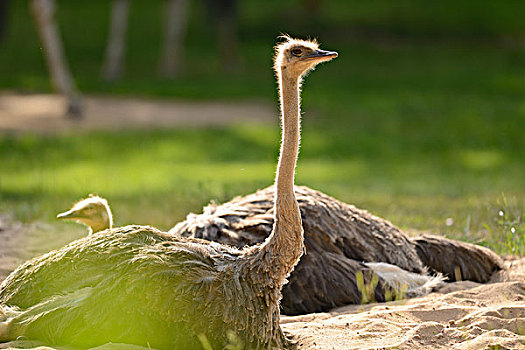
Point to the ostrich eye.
(297, 52)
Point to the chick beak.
(70, 214)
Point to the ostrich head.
(93, 211)
(294, 57)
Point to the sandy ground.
(44, 113)
(490, 316)
(463, 315)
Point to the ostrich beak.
(328, 54)
(322, 55)
(70, 214)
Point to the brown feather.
(338, 237)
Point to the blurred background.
(171, 104)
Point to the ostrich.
(93, 211)
(341, 243)
(141, 286)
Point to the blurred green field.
(421, 119)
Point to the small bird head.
(93, 211)
(296, 57)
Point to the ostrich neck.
(283, 248)
(290, 111)
(100, 225)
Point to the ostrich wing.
(457, 260)
(328, 280)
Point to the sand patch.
(486, 316)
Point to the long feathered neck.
(290, 124)
(283, 248)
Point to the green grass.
(157, 177)
(421, 118)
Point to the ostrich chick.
(92, 211)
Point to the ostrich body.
(341, 242)
(93, 211)
(138, 285)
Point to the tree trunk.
(171, 61)
(226, 34)
(223, 13)
(4, 12)
(43, 13)
(113, 66)
(313, 7)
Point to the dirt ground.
(463, 315)
(44, 113)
